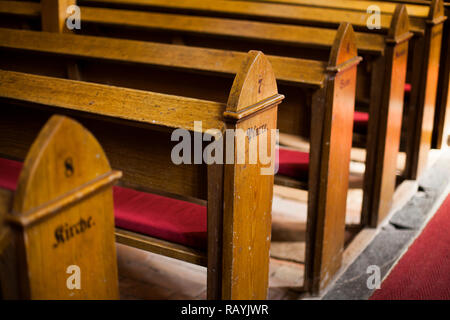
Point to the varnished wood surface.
(385, 127)
(289, 70)
(325, 229)
(287, 14)
(253, 99)
(418, 118)
(60, 186)
(53, 15)
(140, 106)
(159, 246)
(247, 192)
(277, 33)
(339, 65)
(414, 10)
(262, 11)
(442, 114)
(31, 9)
(441, 118)
(424, 92)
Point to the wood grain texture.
(215, 230)
(19, 8)
(276, 12)
(441, 124)
(247, 193)
(159, 246)
(287, 70)
(326, 209)
(253, 100)
(54, 15)
(127, 104)
(262, 11)
(357, 5)
(62, 188)
(385, 124)
(423, 99)
(418, 25)
(279, 33)
(340, 64)
(53, 19)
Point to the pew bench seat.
(293, 164)
(161, 217)
(150, 214)
(360, 121)
(165, 218)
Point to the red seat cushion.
(9, 173)
(294, 164)
(160, 217)
(360, 121)
(407, 87)
(360, 118)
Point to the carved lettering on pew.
(64, 233)
(256, 131)
(68, 163)
(401, 53)
(343, 83)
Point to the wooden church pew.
(417, 141)
(416, 9)
(425, 47)
(441, 124)
(354, 5)
(135, 129)
(382, 139)
(382, 129)
(309, 82)
(381, 63)
(60, 214)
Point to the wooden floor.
(144, 275)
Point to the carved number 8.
(68, 164)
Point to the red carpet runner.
(423, 273)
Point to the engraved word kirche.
(64, 233)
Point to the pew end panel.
(332, 128)
(69, 222)
(423, 98)
(441, 126)
(252, 108)
(385, 121)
